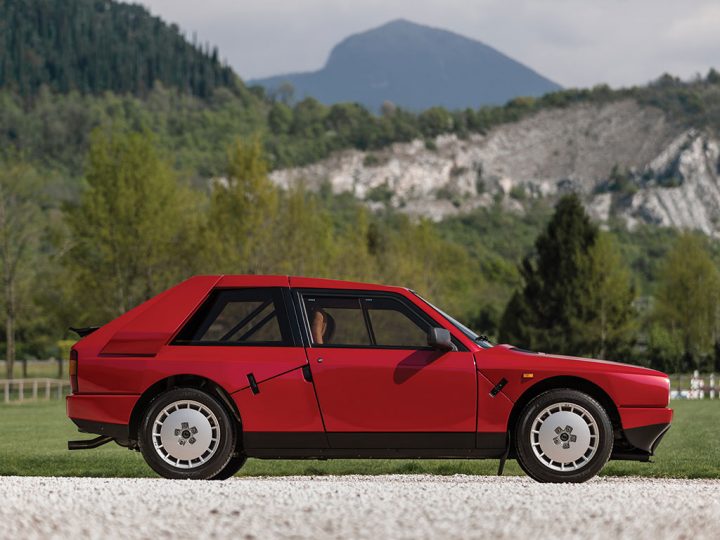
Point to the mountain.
(94, 46)
(416, 67)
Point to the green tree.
(304, 237)
(611, 322)
(435, 121)
(414, 255)
(132, 232)
(21, 228)
(552, 305)
(243, 213)
(688, 297)
(280, 118)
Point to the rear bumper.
(118, 432)
(101, 413)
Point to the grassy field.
(36, 369)
(35, 434)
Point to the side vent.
(253, 383)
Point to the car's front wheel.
(563, 435)
(187, 434)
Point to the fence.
(695, 386)
(20, 390)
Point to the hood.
(584, 362)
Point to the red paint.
(284, 403)
(360, 390)
(367, 390)
(101, 408)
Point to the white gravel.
(379, 507)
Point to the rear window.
(238, 317)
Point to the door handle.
(319, 360)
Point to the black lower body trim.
(646, 438)
(373, 453)
(381, 441)
(116, 431)
(374, 445)
(281, 439)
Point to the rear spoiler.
(82, 332)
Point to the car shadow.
(411, 365)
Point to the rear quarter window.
(238, 317)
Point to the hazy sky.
(573, 42)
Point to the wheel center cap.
(186, 434)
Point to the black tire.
(531, 448)
(216, 437)
(233, 466)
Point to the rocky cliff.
(627, 161)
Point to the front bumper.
(646, 438)
(642, 430)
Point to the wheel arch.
(180, 381)
(572, 383)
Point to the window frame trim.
(281, 302)
(299, 301)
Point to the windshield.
(480, 340)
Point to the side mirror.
(440, 338)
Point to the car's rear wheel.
(563, 435)
(187, 434)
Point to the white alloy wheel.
(185, 434)
(564, 436)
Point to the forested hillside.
(94, 46)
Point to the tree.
(243, 213)
(304, 236)
(611, 321)
(21, 228)
(550, 308)
(688, 297)
(133, 229)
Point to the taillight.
(73, 369)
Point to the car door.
(378, 383)
(247, 340)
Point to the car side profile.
(222, 368)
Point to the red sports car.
(222, 368)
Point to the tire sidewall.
(535, 468)
(219, 459)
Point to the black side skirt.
(286, 445)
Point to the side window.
(364, 322)
(336, 321)
(238, 317)
(394, 325)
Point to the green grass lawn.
(36, 369)
(34, 437)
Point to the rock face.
(626, 161)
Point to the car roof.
(250, 280)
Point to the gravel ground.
(375, 507)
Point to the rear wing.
(85, 331)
